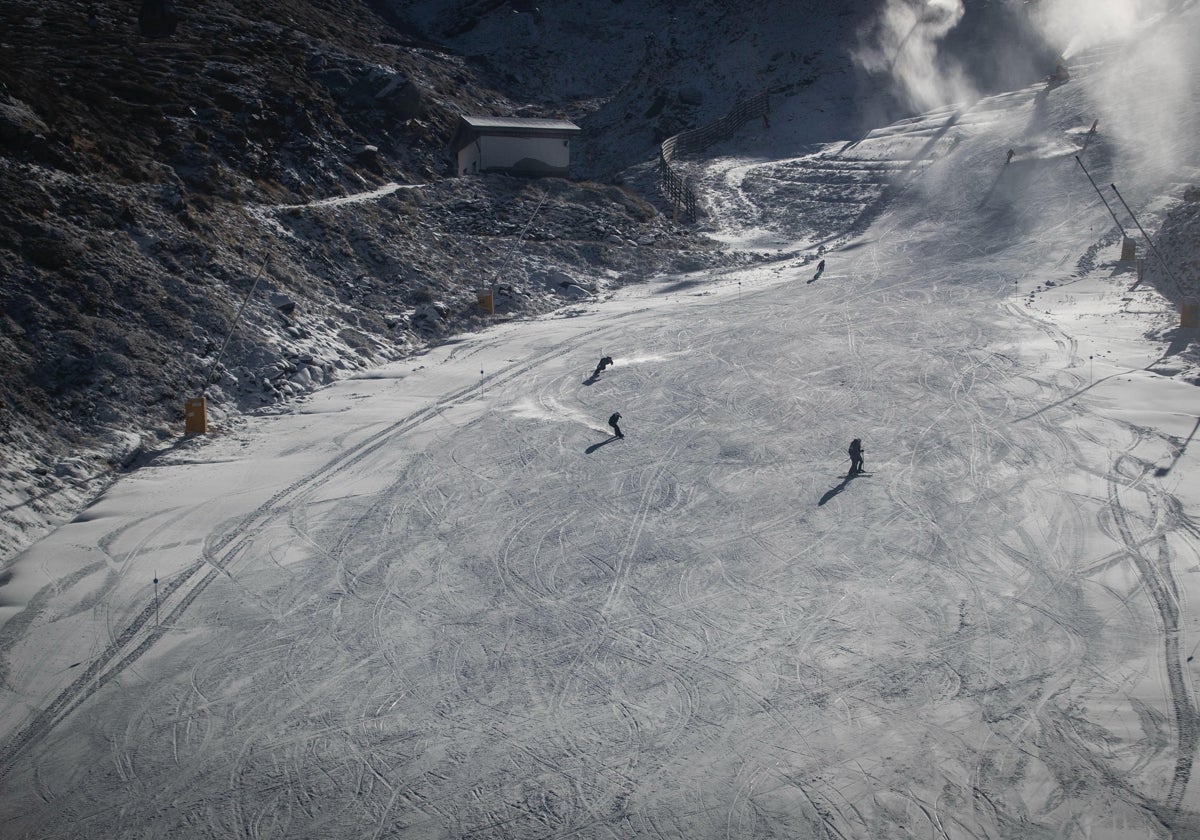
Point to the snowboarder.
(1008, 159)
(612, 421)
(856, 457)
(605, 361)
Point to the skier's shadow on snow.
(1161, 471)
(834, 491)
(604, 442)
(592, 380)
(992, 189)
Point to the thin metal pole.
(229, 335)
(1149, 241)
(1107, 206)
(520, 235)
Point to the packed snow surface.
(439, 600)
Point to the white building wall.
(468, 159)
(488, 153)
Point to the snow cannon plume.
(1074, 25)
(902, 44)
(1149, 132)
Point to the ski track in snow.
(444, 604)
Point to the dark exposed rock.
(19, 125)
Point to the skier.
(856, 457)
(612, 421)
(605, 361)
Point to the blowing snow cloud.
(902, 44)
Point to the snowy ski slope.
(438, 601)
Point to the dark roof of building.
(471, 127)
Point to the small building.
(517, 145)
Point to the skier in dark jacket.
(820, 270)
(605, 361)
(856, 456)
(612, 421)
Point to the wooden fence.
(674, 185)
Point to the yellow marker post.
(1128, 249)
(1189, 313)
(195, 416)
